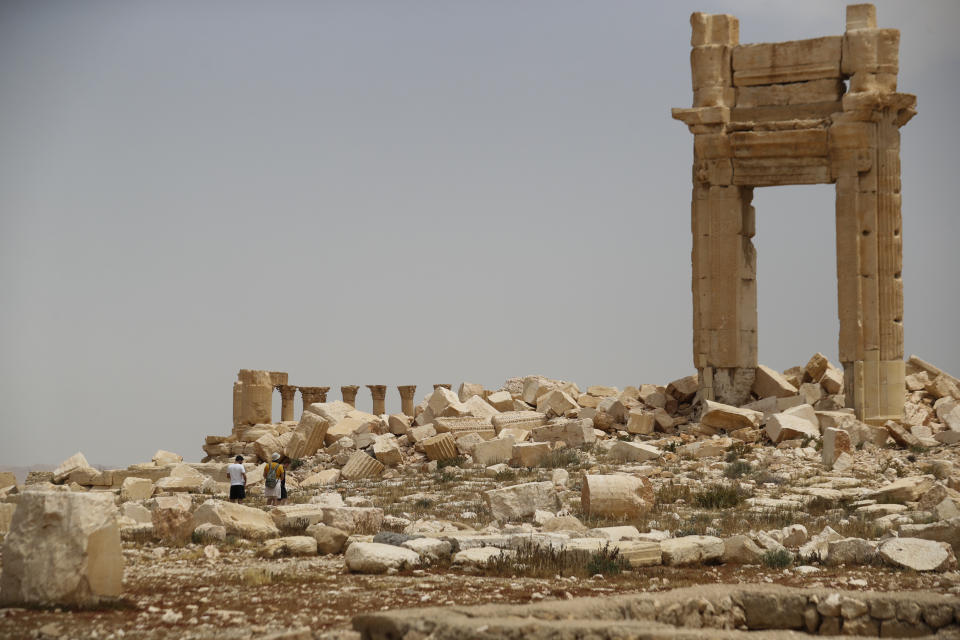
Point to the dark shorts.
(237, 492)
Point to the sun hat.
(275, 457)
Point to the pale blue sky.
(393, 193)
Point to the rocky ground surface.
(531, 493)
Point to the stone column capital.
(378, 390)
(407, 390)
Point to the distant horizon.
(396, 193)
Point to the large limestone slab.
(691, 550)
(245, 522)
(902, 490)
(616, 496)
(63, 549)
(373, 557)
(918, 554)
(769, 383)
(728, 417)
(784, 426)
(521, 500)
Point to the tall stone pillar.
(287, 394)
(865, 154)
(349, 393)
(406, 398)
(313, 394)
(253, 397)
(445, 386)
(379, 393)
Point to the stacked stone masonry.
(779, 114)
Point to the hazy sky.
(394, 193)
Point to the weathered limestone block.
(521, 500)
(493, 451)
(421, 433)
(792, 61)
(74, 463)
(462, 426)
(442, 446)
(529, 454)
(900, 435)
(714, 28)
(501, 401)
(288, 546)
(296, 516)
(832, 381)
(352, 425)
(63, 548)
(684, 389)
(267, 445)
(689, 550)
(387, 451)
(616, 496)
(308, 437)
(724, 416)
(6, 516)
(640, 421)
(794, 93)
(835, 442)
(182, 478)
(784, 426)
(771, 383)
(469, 389)
(600, 391)
(633, 452)
(245, 522)
(741, 549)
(556, 403)
(850, 551)
(361, 465)
(329, 539)
(909, 489)
(519, 419)
(534, 387)
(171, 518)
(575, 433)
(399, 424)
(373, 557)
(918, 554)
(354, 520)
(321, 478)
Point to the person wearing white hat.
(272, 477)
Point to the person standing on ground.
(238, 480)
(272, 477)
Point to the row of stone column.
(311, 395)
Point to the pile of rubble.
(601, 471)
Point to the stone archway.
(779, 114)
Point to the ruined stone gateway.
(824, 110)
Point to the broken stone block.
(399, 423)
(267, 445)
(529, 454)
(63, 548)
(245, 522)
(575, 433)
(689, 550)
(493, 451)
(727, 417)
(374, 557)
(918, 554)
(783, 426)
(653, 396)
(832, 381)
(556, 403)
(854, 551)
(74, 463)
(297, 517)
(633, 452)
(442, 446)
(361, 465)
(615, 409)
(387, 451)
(182, 478)
(136, 489)
(354, 520)
(616, 496)
(903, 490)
(835, 442)
(329, 539)
(810, 392)
(943, 386)
(684, 389)
(518, 419)
(640, 421)
(534, 387)
(288, 546)
(741, 549)
(469, 389)
(900, 435)
(815, 367)
(600, 391)
(521, 500)
(419, 434)
(771, 383)
(501, 401)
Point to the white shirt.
(238, 475)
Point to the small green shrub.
(718, 496)
(778, 559)
(451, 462)
(507, 475)
(560, 459)
(737, 469)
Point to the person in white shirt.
(238, 480)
